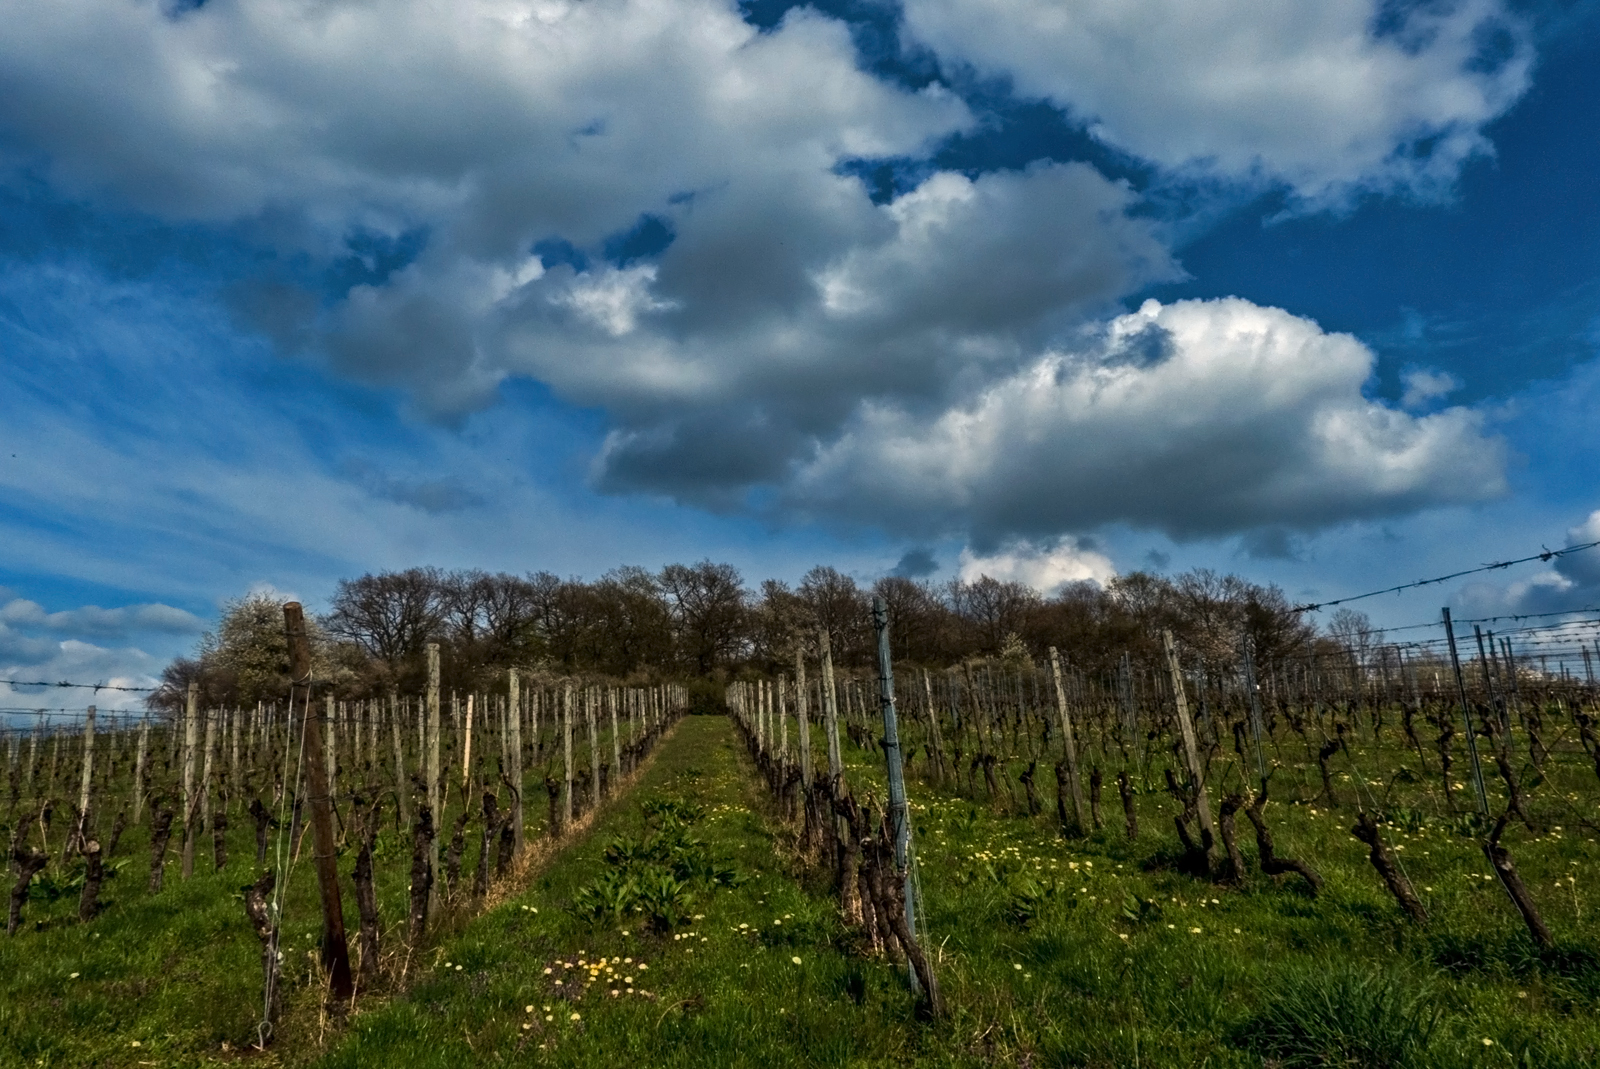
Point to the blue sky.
(1043, 289)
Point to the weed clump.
(1349, 1017)
(657, 877)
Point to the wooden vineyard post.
(205, 767)
(933, 726)
(1466, 713)
(1255, 711)
(802, 714)
(783, 721)
(830, 705)
(80, 834)
(402, 791)
(514, 689)
(466, 749)
(191, 729)
(1069, 743)
(594, 748)
(233, 757)
(140, 765)
(335, 950)
(330, 756)
(566, 753)
(616, 741)
(1191, 749)
(434, 781)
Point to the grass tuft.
(1347, 1016)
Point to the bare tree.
(708, 612)
(838, 604)
(391, 615)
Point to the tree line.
(704, 620)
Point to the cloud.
(1569, 584)
(1195, 418)
(78, 662)
(941, 290)
(916, 563)
(1270, 543)
(1045, 567)
(93, 620)
(435, 496)
(649, 207)
(493, 127)
(1423, 386)
(1330, 98)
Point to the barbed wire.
(1544, 555)
(82, 686)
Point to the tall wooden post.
(139, 762)
(233, 757)
(783, 720)
(435, 780)
(566, 753)
(1070, 744)
(830, 705)
(466, 749)
(1191, 748)
(589, 702)
(81, 833)
(330, 756)
(1254, 693)
(335, 951)
(191, 731)
(802, 714)
(933, 725)
(513, 686)
(616, 741)
(207, 753)
(761, 716)
(402, 789)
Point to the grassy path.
(754, 977)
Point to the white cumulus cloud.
(1327, 97)
(1044, 567)
(1196, 418)
(1423, 386)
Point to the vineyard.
(129, 839)
(1378, 854)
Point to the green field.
(1093, 952)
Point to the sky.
(1049, 290)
